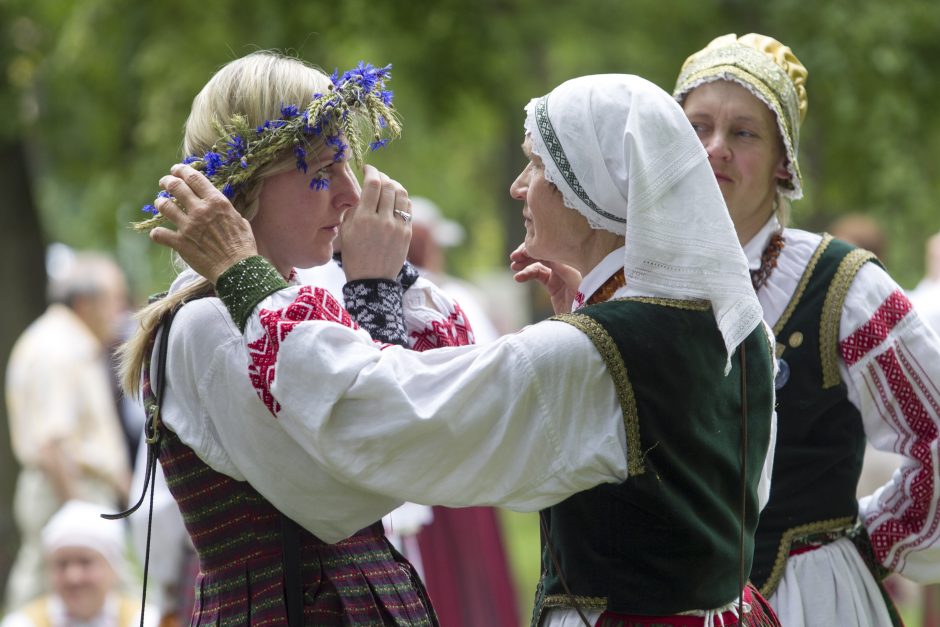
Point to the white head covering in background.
(79, 524)
(624, 156)
(426, 213)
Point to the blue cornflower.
(228, 190)
(334, 77)
(236, 149)
(338, 146)
(318, 183)
(386, 96)
(190, 159)
(301, 155)
(213, 162)
(152, 210)
(379, 143)
(270, 125)
(308, 128)
(290, 111)
(382, 122)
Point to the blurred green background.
(94, 94)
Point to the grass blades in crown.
(357, 97)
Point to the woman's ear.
(781, 173)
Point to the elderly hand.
(210, 235)
(375, 235)
(561, 281)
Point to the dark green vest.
(820, 439)
(666, 540)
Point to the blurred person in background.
(431, 235)
(862, 231)
(926, 296)
(84, 560)
(460, 550)
(64, 426)
(926, 299)
(856, 364)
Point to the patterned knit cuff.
(245, 284)
(376, 306)
(407, 275)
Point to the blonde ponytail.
(132, 353)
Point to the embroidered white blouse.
(889, 361)
(340, 456)
(362, 428)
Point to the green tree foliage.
(103, 88)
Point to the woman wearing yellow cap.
(856, 361)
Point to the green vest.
(666, 540)
(820, 439)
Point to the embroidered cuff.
(376, 306)
(246, 284)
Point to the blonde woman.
(277, 136)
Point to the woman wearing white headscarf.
(627, 422)
(84, 558)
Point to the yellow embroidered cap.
(770, 71)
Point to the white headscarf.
(79, 524)
(624, 156)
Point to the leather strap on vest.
(293, 583)
(741, 575)
(546, 537)
(152, 435)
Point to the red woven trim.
(917, 424)
(760, 615)
(312, 303)
(454, 331)
(871, 334)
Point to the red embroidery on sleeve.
(454, 331)
(918, 429)
(876, 330)
(312, 303)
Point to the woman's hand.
(210, 235)
(560, 280)
(375, 235)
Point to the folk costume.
(256, 564)
(537, 419)
(218, 468)
(856, 363)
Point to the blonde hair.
(255, 86)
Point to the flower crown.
(242, 149)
